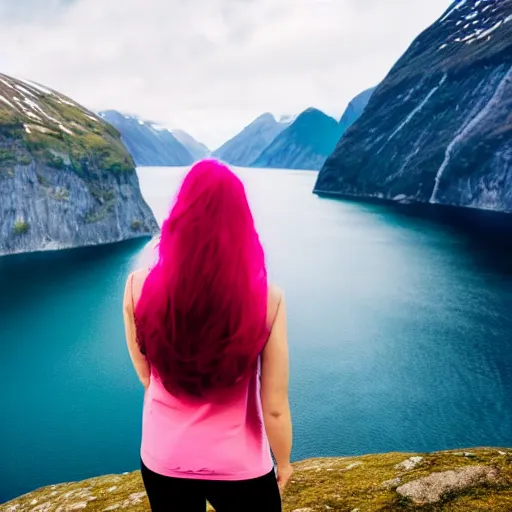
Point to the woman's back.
(207, 337)
(204, 437)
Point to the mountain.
(66, 180)
(438, 129)
(148, 143)
(245, 147)
(305, 144)
(355, 109)
(196, 149)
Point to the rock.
(437, 128)
(431, 488)
(66, 180)
(464, 454)
(391, 484)
(352, 466)
(306, 509)
(43, 507)
(136, 497)
(409, 464)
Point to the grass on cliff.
(345, 484)
(21, 227)
(82, 150)
(94, 144)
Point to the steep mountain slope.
(355, 109)
(66, 180)
(148, 143)
(245, 147)
(195, 148)
(438, 129)
(305, 144)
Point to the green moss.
(8, 117)
(103, 196)
(24, 160)
(6, 172)
(95, 216)
(39, 143)
(21, 227)
(6, 157)
(318, 484)
(42, 180)
(85, 151)
(94, 145)
(136, 225)
(61, 194)
(52, 160)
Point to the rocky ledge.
(66, 179)
(457, 480)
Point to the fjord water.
(400, 331)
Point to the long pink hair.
(201, 317)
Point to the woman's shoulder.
(275, 296)
(275, 293)
(139, 276)
(134, 283)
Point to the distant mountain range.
(355, 109)
(195, 148)
(438, 129)
(245, 147)
(149, 144)
(293, 142)
(305, 144)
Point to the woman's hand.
(284, 474)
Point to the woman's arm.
(140, 363)
(274, 394)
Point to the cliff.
(438, 129)
(305, 144)
(246, 146)
(454, 481)
(148, 143)
(195, 148)
(66, 180)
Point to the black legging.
(167, 494)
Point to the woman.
(207, 337)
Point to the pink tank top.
(221, 439)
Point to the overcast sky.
(209, 66)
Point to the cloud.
(209, 66)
